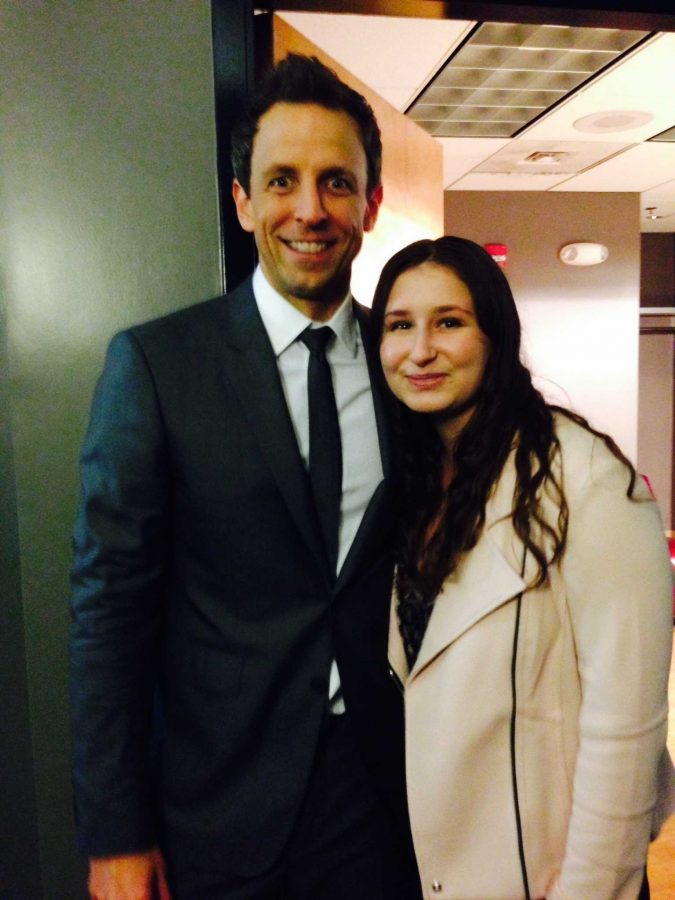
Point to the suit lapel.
(251, 369)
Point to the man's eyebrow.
(278, 169)
(332, 171)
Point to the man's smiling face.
(307, 203)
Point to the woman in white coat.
(532, 619)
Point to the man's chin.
(320, 290)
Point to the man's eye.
(340, 184)
(281, 182)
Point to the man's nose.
(309, 206)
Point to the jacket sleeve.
(618, 584)
(120, 549)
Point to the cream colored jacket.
(591, 672)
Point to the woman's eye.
(399, 326)
(450, 322)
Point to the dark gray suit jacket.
(205, 617)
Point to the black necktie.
(325, 449)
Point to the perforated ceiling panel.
(504, 76)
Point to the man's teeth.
(308, 246)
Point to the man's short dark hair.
(303, 79)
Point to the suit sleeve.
(120, 553)
(618, 584)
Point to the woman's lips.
(427, 381)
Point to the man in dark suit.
(236, 732)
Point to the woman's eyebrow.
(403, 310)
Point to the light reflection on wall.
(584, 353)
(393, 231)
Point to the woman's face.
(433, 352)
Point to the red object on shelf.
(498, 252)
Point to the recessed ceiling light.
(612, 120)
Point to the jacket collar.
(487, 577)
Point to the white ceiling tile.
(575, 156)
(636, 169)
(460, 155)
(398, 97)
(664, 191)
(644, 82)
(648, 72)
(492, 181)
(394, 56)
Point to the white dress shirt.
(361, 459)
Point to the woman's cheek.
(387, 359)
(391, 357)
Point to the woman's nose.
(423, 349)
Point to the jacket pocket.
(209, 669)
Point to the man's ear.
(243, 204)
(372, 207)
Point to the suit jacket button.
(436, 887)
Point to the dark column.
(241, 49)
(19, 858)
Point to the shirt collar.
(284, 323)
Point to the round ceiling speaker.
(612, 120)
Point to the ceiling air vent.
(545, 158)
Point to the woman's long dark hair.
(439, 524)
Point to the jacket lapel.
(487, 577)
(251, 369)
(483, 581)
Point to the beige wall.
(580, 324)
(412, 173)
(108, 216)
